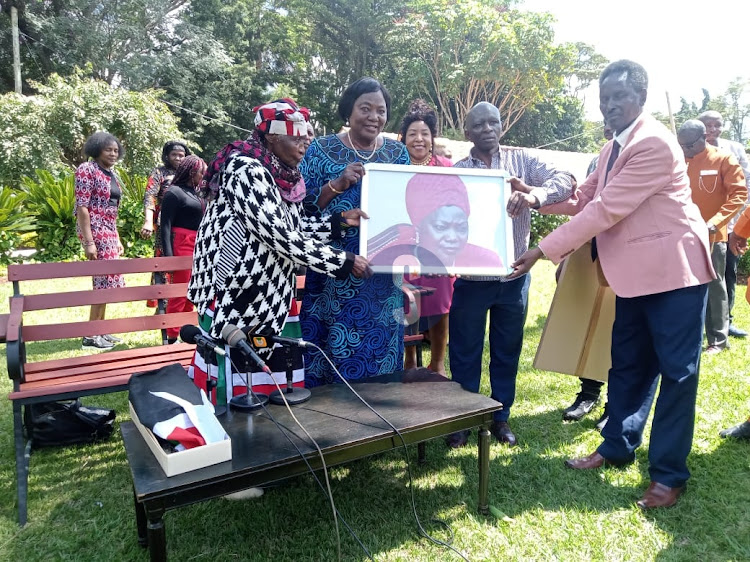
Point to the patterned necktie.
(611, 162)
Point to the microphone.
(237, 338)
(192, 334)
(263, 342)
(293, 395)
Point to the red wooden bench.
(96, 373)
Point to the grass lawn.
(80, 498)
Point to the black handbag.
(68, 422)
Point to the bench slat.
(114, 326)
(83, 388)
(101, 369)
(57, 270)
(114, 371)
(104, 296)
(106, 357)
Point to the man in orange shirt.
(738, 245)
(718, 189)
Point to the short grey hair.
(635, 74)
(692, 126)
(710, 114)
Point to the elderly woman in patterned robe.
(254, 235)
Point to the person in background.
(254, 235)
(160, 179)
(182, 209)
(718, 188)
(418, 132)
(98, 192)
(714, 123)
(535, 184)
(652, 246)
(591, 389)
(737, 246)
(357, 322)
(310, 135)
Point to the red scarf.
(288, 179)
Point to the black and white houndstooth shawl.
(249, 243)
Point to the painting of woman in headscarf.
(439, 237)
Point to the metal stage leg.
(484, 469)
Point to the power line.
(227, 124)
(219, 121)
(206, 116)
(565, 139)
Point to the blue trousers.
(507, 304)
(653, 335)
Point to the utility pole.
(16, 49)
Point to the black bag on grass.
(67, 422)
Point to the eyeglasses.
(690, 145)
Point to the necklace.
(423, 162)
(354, 148)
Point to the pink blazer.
(650, 235)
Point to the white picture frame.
(470, 233)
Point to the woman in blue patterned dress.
(357, 322)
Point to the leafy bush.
(542, 225)
(48, 130)
(130, 217)
(14, 221)
(743, 266)
(51, 202)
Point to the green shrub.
(47, 130)
(542, 225)
(51, 202)
(14, 221)
(130, 217)
(743, 266)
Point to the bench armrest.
(15, 350)
(3, 326)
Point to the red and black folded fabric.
(168, 403)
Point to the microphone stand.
(210, 358)
(250, 400)
(292, 395)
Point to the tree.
(556, 123)
(48, 130)
(345, 40)
(112, 37)
(461, 52)
(737, 112)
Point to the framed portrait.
(435, 220)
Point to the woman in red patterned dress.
(98, 193)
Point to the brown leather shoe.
(502, 432)
(659, 495)
(594, 460)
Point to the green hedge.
(743, 266)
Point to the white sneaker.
(112, 339)
(249, 494)
(96, 342)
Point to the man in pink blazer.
(652, 245)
